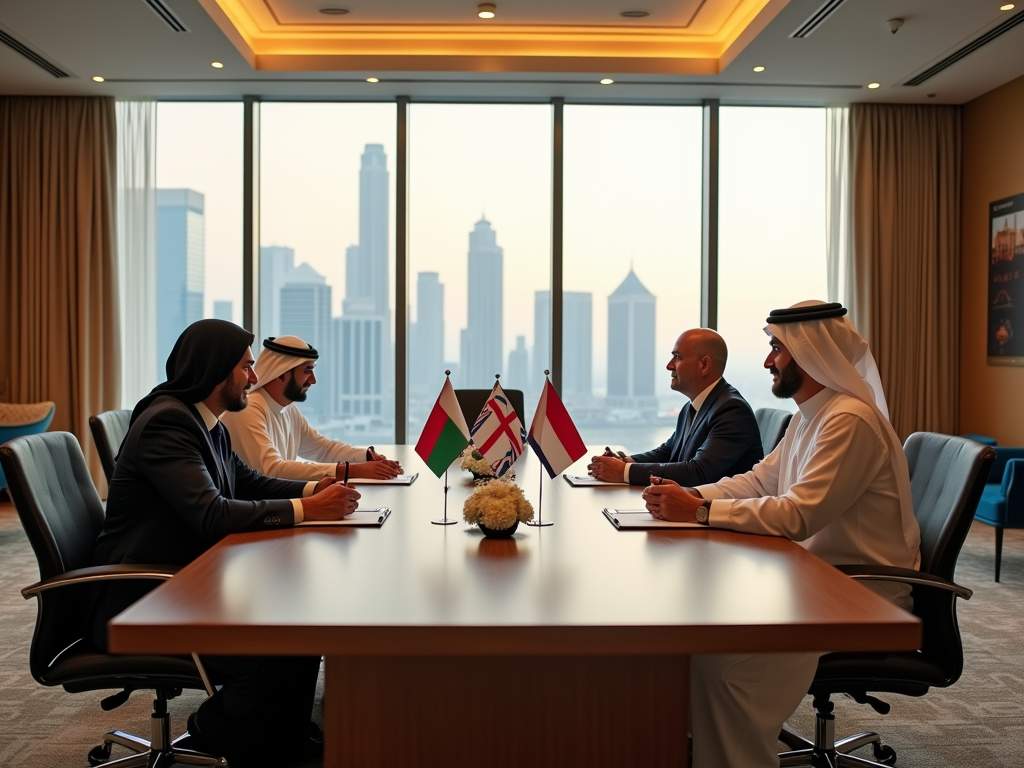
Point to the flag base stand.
(540, 523)
(444, 520)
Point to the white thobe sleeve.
(846, 457)
(249, 433)
(762, 480)
(317, 448)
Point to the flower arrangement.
(473, 461)
(497, 505)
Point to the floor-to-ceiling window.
(632, 245)
(198, 218)
(479, 246)
(327, 231)
(771, 231)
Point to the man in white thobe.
(838, 484)
(271, 434)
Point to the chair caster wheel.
(884, 753)
(99, 754)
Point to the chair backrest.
(947, 476)
(62, 516)
(471, 401)
(108, 431)
(772, 424)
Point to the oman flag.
(553, 435)
(445, 434)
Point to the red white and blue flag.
(497, 432)
(553, 435)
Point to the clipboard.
(585, 481)
(641, 520)
(399, 480)
(361, 518)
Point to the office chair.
(471, 401)
(772, 424)
(1002, 501)
(108, 431)
(62, 516)
(947, 475)
(17, 419)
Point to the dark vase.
(499, 533)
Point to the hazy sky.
(632, 196)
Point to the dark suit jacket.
(723, 441)
(172, 498)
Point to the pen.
(345, 481)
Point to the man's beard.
(236, 400)
(790, 380)
(294, 392)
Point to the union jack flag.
(497, 432)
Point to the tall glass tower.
(631, 364)
(482, 350)
(180, 265)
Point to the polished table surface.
(441, 644)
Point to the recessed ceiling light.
(334, 11)
(217, 65)
(486, 10)
(607, 81)
(873, 86)
(98, 79)
(1007, 7)
(635, 14)
(373, 80)
(759, 68)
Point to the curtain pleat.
(906, 192)
(58, 258)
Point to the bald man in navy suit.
(716, 435)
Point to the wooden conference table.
(565, 646)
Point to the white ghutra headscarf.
(827, 346)
(280, 354)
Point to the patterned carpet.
(978, 722)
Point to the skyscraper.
(224, 310)
(276, 261)
(518, 366)
(365, 369)
(482, 348)
(426, 353)
(180, 265)
(631, 365)
(306, 313)
(577, 342)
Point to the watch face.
(702, 513)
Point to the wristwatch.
(703, 511)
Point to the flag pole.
(539, 522)
(444, 520)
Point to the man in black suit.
(177, 490)
(716, 435)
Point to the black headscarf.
(202, 358)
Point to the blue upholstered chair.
(983, 439)
(1002, 501)
(17, 419)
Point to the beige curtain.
(906, 233)
(58, 259)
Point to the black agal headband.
(802, 314)
(309, 353)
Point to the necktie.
(220, 442)
(691, 414)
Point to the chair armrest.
(102, 573)
(903, 576)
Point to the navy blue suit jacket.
(722, 441)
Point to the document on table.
(585, 481)
(641, 519)
(371, 518)
(399, 480)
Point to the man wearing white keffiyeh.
(838, 484)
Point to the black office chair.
(108, 431)
(62, 516)
(947, 476)
(471, 401)
(772, 424)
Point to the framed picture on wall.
(1005, 282)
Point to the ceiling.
(685, 50)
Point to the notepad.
(369, 518)
(585, 481)
(399, 480)
(641, 519)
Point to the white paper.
(399, 480)
(367, 517)
(583, 481)
(641, 519)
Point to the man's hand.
(331, 502)
(667, 500)
(378, 469)
(324, 483)
(609, 469)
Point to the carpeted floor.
(977, 722)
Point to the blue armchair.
(17, 419)
(1002, 501)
